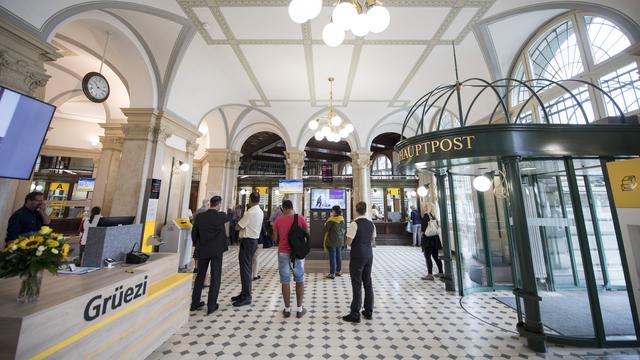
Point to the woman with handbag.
(333, 239)
(431, 243)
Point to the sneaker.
(338, 274)
(331, 276)
(286, 313)
(197, 306)
(351, 318)
(257, 278)
(428, 277)
(367, 316)
(301, 313)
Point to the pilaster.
(107, 166)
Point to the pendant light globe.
(313, 8)
(378, 18)
(344, 14)
(313, 124)
(318, 136)
(360, 25)
(336, 120)
(349, 128)
(297, 11)
(332, 35)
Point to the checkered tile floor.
(413, 319)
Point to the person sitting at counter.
(91, 221)
(375, 214)
(210, 240)
(29, 218)
(333, 235)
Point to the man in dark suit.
(210, 240)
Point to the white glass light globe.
(312, 8)
(39, 188)
(319, 136)
(297, 11)
(360, 25)
(481, 183)
(378, 18)
(335, 137)
(326, 131)
(243, 192)
(344, 133)
(422, 191)
(344, 14)
(336, 120)
(184, 167)
(277, 192)
(349, 128)
(332, 35)
(413, 193)
(313, 124)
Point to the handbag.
(433, 229)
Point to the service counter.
(123, 312)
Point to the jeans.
(284, 268)
(417, 234)
(335, 259)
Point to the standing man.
(360, 235)
(209, 238)
(29, 218)
(416, 222)
(281, 229)
(249, 226)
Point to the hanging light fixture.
(359, 16)
(330, 126)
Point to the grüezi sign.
(430, 147)
(100, 304)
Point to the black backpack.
(298, 240)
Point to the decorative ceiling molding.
(307, 41)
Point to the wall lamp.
(483, 183)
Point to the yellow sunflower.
(52, 243)
(65, 250)
(29, 243)
(45, 230)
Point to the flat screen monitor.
(328, 198)
(24, 122)
(290, 187)
(115, 221)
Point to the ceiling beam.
(268, 147)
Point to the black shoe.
(367, 316)
(257, 278)
(197, 306)
(236, 298)
(301, 313)
(338, 274)
(209, 311)
(351, 318)
(286, 313)
(331, 276)
(205, 285)
(242, 302)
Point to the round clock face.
(95, 87)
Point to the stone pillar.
(22, 58)
(191, 147)
(142, 156)
(294, 162)
(361, 164)
(220, 175)
(106, 169)
(231, 179)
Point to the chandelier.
(330, 125)
(360, 18)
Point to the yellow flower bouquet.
(29, 255)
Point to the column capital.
(217, 157)
(191, 147)
(361, 158)
(113, 136)
(295, 158)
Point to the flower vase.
(30, 287)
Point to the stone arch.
(272, 123)
(385, 125)
(246, 132)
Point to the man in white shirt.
(249, 226)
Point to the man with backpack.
(290, 232)
(360, 236)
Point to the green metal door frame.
(543, 234)
(449, 278)
(567, 230)
(596, 230)
(585, 252)
(485, 239)
(456, 236)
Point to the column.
(294, 162)
(532, 326)
(142, 156)
(215, 176)
(361, 164)
(106, 169)
(22, 58)
(232, 170)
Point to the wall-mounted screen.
(290, 186)
(24, 122)
(328, 198)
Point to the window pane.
(519, 93)
(564, 110)
(381, 166)
(556, 55)
(624, 87)
(526, 117)
(605, 38)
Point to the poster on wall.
(328, 198)
(327, 173)
(86, 184)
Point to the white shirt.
(352, 229)
(85, 228)
(251, 223)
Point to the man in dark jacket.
(360, 236)
(416, 226)
(209, 238)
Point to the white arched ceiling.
(255, 127)
(391, 123)
(217, 136)
(202, 141)
(248, 117)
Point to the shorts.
(284, 267)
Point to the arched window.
(346, 169)
(381, 166)
(579, 46)
(448, 120)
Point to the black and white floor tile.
(413, 319)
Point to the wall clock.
(95, 87)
